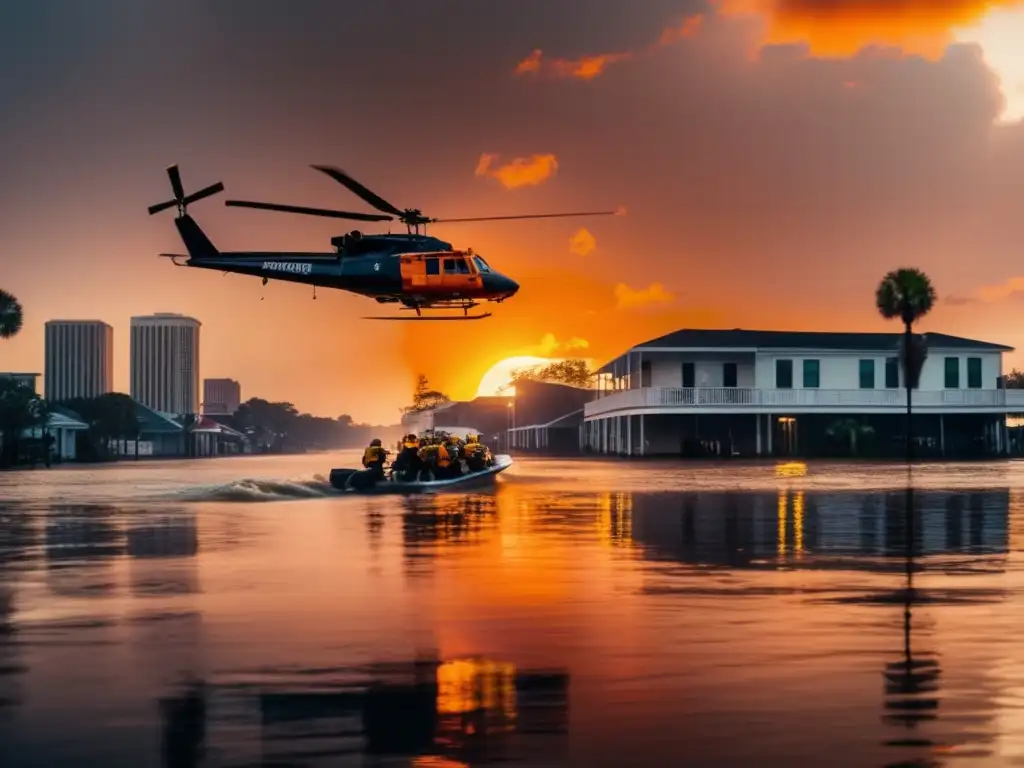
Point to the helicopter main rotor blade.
(358, 189)
(306, 211)
(213, 189)
(528, 216)
(175, 176)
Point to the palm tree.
(907, 294)
(11, 315)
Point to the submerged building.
(784, 393)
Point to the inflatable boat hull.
(340, 480)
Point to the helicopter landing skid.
(428, 318)
(176, 258)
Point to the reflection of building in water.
(10, 663)
(456, 709)
(183, 737)
(163, 554)
(81, 542)
(615, 518)
(737, 528)
(430, 524)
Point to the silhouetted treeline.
(279, 427)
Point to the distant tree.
(1014, 379)
(424, 398)
(20, 409)
(575, 373)
(907, 295)
(112, 418)
(11, 315)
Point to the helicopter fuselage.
(385, 273)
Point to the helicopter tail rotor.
(181, 201)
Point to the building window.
(729, 374)
(974, 373)
(812, 374)
(689, 376)
(783, 374)
(867, 374)
(892, 373)
(645, 373)
(952, 373)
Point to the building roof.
(855, 342)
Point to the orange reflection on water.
(436, 761)
(615, 519)
(469, 685)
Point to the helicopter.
(415, 270)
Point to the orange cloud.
(520, 172)
(1012, 288)
(842, 28)
(631, 298)
(589, 67)
(582, 242)
(550, 346)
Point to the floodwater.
(235, 612)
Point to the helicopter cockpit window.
(433, 267)
(481, 264)
(456, 267)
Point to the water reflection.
(467, 709)
(81, 543)
(802, 530)
(433, 524)
(163, 554)
(798, 626)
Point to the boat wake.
(262, 490)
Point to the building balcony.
(666, 400)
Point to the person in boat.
(428, 455)
(476, 453)
(374, 458)
(453, 445)
(444, 459)
(407, 464)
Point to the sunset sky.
(774, 157)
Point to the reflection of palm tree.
(910, 682)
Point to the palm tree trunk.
(907, 362)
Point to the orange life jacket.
(444, 459)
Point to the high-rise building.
(221, 397)
(79, 359)
(165, 362)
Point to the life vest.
(428, 452)
(374, 454)
(472, 449)
(444, 458)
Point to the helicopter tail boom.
(196, 242)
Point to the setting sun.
(497, 379)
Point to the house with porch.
(784, 393)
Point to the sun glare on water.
(1001, 37)
(495, 381)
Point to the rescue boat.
(341, 480)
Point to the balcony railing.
(772, 399)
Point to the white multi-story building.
(165, 362)
(79, 359)
(221, 397)
(749, 393)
